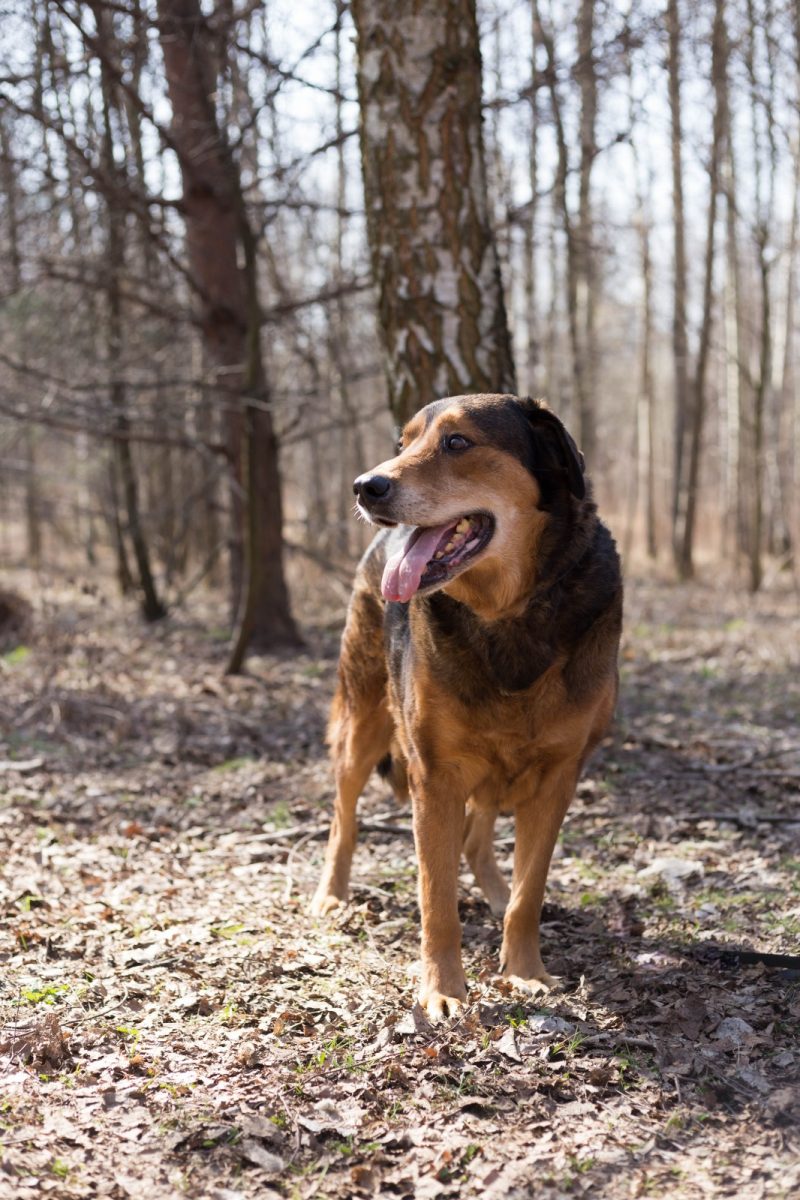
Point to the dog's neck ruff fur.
(515, 651)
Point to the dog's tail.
(392, 768)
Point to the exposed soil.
(174, 1024)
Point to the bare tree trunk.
(434, 258)
(763, 221)
(644, 417)
(499, 182)
(719, 68)
(84, 507)
(574, 268)
(789, 392)
(203, 422)
(789, 428)
(124, 573)
(736, 374)
(349, 434)
(532, 364)
(8, 173)
(586, 266)
(680, 345)
(152, 607)
(552, 358)
(33, 527)
(33, 524)
(230, 318)
(647, 403)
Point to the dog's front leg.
(438, 834)
(359, 737)
(537, 824)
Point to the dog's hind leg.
(537, 826)
(479, 852)
(359, 735)
(393, 769)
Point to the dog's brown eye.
(456, 441)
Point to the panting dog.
(478, 665)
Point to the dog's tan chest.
(500, 753)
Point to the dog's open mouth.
(430, 556)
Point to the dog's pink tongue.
(404, 570)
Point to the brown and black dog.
(480, 651)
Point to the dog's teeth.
(462, 526)
(439, 554)
(449, 546)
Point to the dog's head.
(469, 477)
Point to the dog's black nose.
(372, 487)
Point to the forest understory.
(174, 1023)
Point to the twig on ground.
(746, 820)
(22, 766)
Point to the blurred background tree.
(191, 369)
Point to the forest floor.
(173, 1023)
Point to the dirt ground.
(173, 1023)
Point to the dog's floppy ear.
(567, 452)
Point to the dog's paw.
(438, 1007)
(325, 903)
(537, 985)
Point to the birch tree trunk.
(434, 257)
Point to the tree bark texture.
(152, 607)
(719, 80)
(586, 276)
(680, 345)
(9, 191)
(533, 364)
(575, 278)
(434, 257)
(736, 375)
(230, 318)
(764, 204)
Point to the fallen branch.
(744, 820)
(22, 765)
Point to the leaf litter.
(174, 1023)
